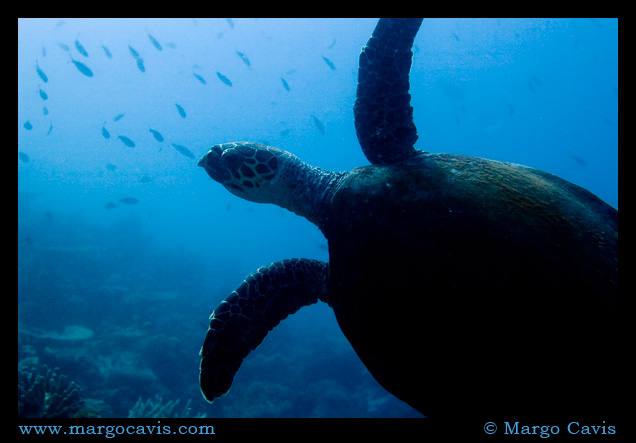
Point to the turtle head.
(264, 174)
(247, 170)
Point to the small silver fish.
(244, 58)
(155, 43)
(224, 79)
(318, 125)
(140, 64)
(107, 52)
(80, 48)
(329, 63)
(157, 135)
(125, 140)
(43, 94)
(23, 157)
(183, 150)
(41, 74)
(81, 67)
(198, 77)
(182, 113)
(133, 51)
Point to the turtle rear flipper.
(382, 110)
(240, 323)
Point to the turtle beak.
(203, 160)
(214, 166)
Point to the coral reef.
(43, 392)
(114, 325)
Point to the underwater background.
(125, 246)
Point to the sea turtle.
(463, 284)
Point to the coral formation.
(116, 329)
(43, 392)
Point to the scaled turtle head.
(264, 174)
(248, 170)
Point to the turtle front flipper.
(240, 323)
(382, 110)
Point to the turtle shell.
(457, 277)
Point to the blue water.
(141, 278)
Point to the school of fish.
(80, 57)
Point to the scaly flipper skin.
(241, 322)
(382, 111)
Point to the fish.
(183, 150)
(244, 58)
(110, 205)
(125, 140)
(198, 77)
(118, 116)
(146, 179)
(318, 124)
(129, 200)
(230, 22)
(329, 63)
(182, 113)
(41, 73)
(578, 159)
(224, 79)
(81, 67)
(50, 129)
(23, 157)
(105, 132)
(133, 52)
(285, 85)
(157, 135)
(332, 44)
(155, 43)
(140, 64)
(43, 94)
(27, 125)
(111, 167)
(45, 110)
(80, 48)
(64, 47)
(107, 52)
